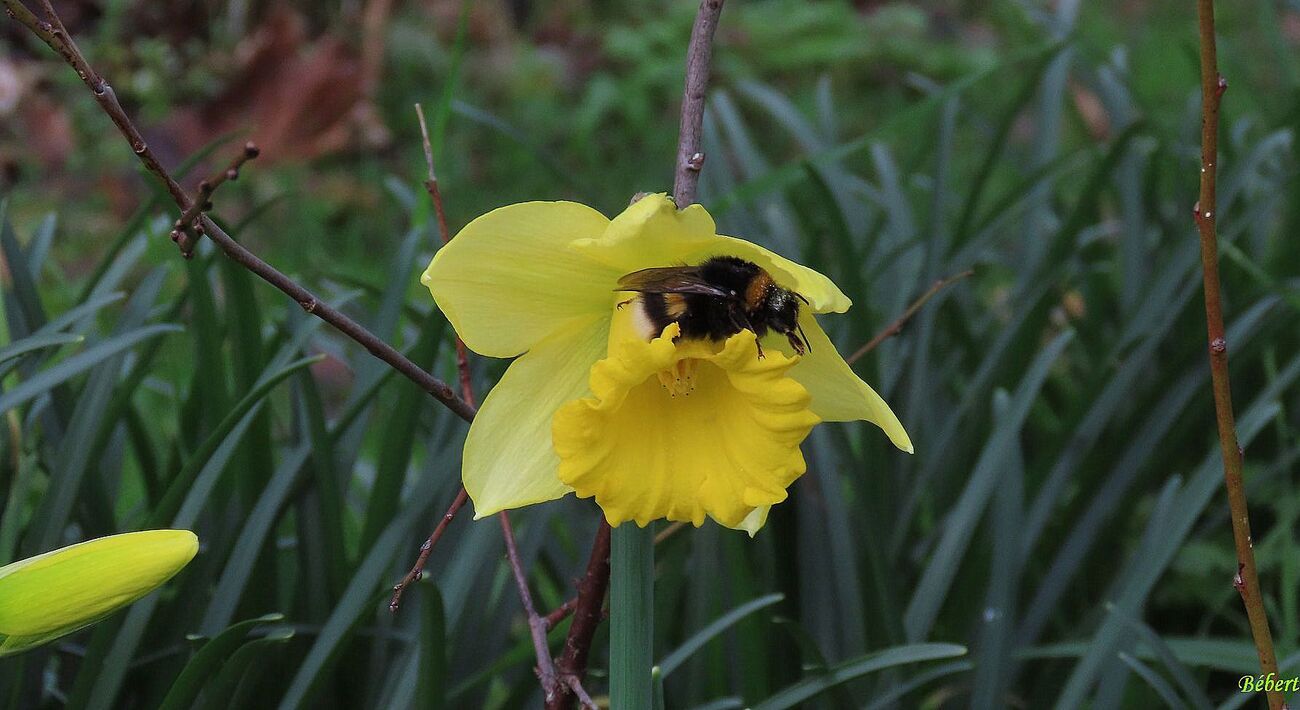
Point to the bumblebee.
(715, 300)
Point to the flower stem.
(631, 617)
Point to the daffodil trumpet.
(623, 390)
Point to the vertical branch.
(586, 617)
(444, 234)
(699, 56)
(686, 176)
(536, 624)
(462, 366)
(552, 687)
(1206, 213)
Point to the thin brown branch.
(669, 531)
(431, 185)
(54, 35)
(428, 153)
(1246, 579)
(417, 571)
(896, 327)
(584, 699)
(699, 58)
(345, 325)
(551, 688)
(208, 187)
(52, 32)
(587, 614)
(538, 626)
(466, 384)
(560, 613)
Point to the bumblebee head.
(782, 309)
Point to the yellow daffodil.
(651, 426)
(51, 595)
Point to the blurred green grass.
(1062, 518)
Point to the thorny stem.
(896, 327)
(53, 34)
(1246, 579)
(699, 56)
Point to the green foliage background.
(1062, 519)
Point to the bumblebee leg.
(624, 303)
(760, 349)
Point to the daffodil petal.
(755, 521)
(838, 394)
(822, 293)
(729, 446)
(509, 461)
(652, 232)
(50, 595)
(509, 279)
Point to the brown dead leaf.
(298, 98)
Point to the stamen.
(680, 380)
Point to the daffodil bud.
(51, 595)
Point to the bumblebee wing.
(670, 279)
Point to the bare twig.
(585, 700)
(52, 32)
(896, 327)
(536, 624)
(208, 187)
(587, 615)
(54, 35)
(561, 613)
(1246, 579)
(431, 185)
(699, 56)
(462, 366)
(345, 325)
(669, 531)
(417, 571)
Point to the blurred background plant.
(1063, 515)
